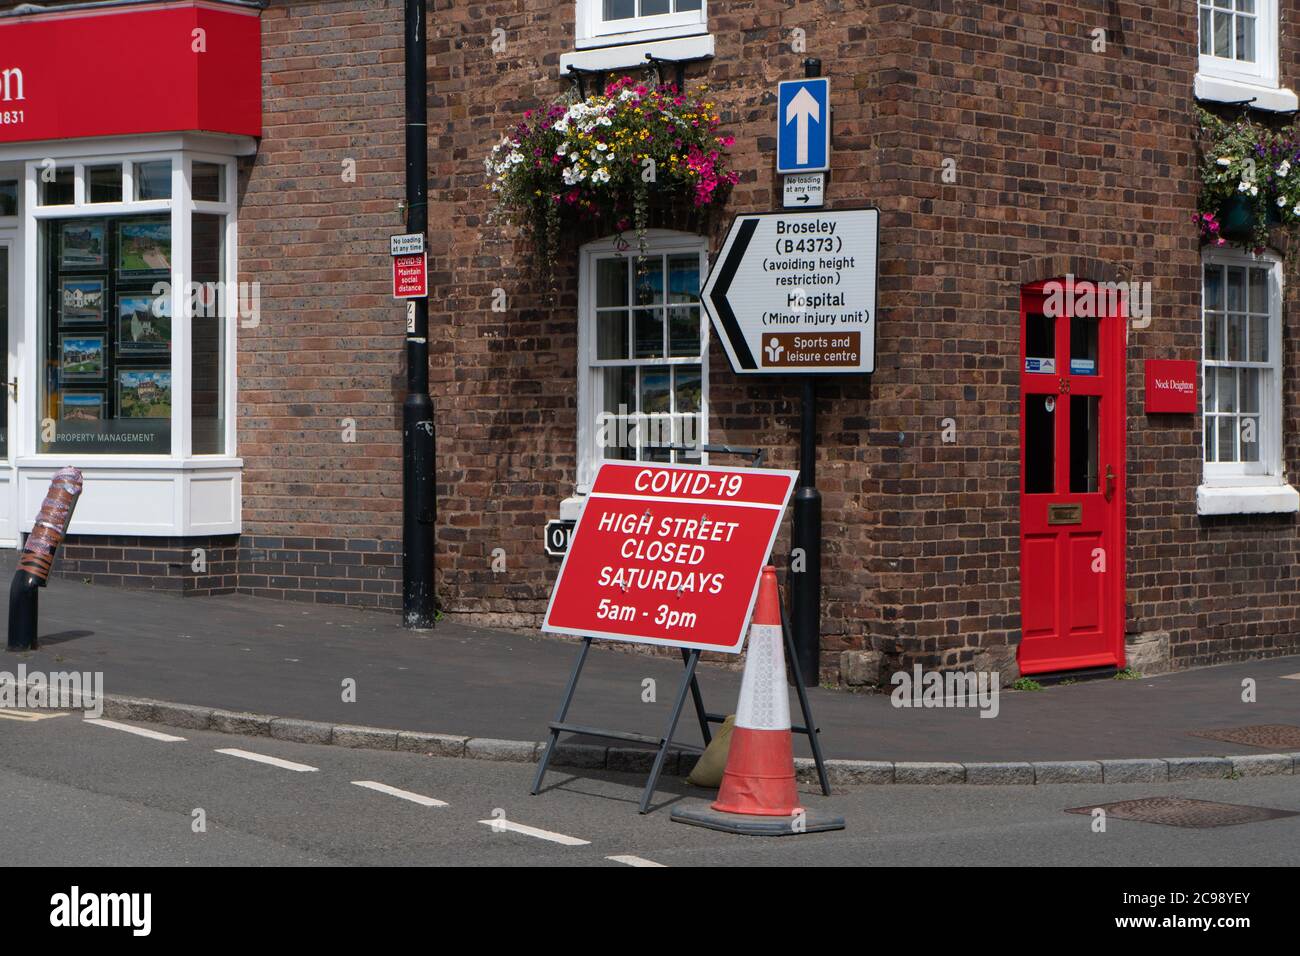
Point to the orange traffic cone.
(759, 778)
(758, 796)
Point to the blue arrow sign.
(803, 126)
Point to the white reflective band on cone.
(764, 699)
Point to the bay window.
(133, 306)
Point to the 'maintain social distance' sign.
(669, 554)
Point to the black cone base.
(699, 814)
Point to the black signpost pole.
(418, 488)
(806, 534)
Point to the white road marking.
(633, 860)
(534, 832)
(1291, 676)
(9, 713)
(138, 731)
(403, 794)
(263, 758)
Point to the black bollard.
(38, 557)
(23, 594)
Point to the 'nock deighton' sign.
(795, 292)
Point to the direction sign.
(669, 554)
(803, 126)
(795, 292)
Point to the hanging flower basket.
(1250, 181)
(626, 159)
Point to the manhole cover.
(1273, 736)
(1181, 812)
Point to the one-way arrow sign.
(795, 292)
(803, 125)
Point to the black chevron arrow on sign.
(718, 294)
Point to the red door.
(1071, 478)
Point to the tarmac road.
(81, 794)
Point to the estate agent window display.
(111, 273)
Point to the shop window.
(1238, 44)
(4, 352)
(1240, 386)
(645, 381)
(207, 334)
(104, 183)
(8, 197)
(153, 180)
(134, 310)
(208, 182)
(107, 340)
(617, 21)
(57, 185)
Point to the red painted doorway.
(1072, 418)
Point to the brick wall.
(1060, 150)
(190, 567)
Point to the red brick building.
(1005, 145)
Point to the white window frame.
(658, 242)
(1228, 81)
(1264, 69)
(592, 30)
(1269, 469)
(180, 208)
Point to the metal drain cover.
(1182, 812)
(1273, 736)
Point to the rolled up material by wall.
(34, 566)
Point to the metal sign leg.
(700, 713)
(564, 712)
(688, 681)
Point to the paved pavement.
(290, 660)
(87, 795)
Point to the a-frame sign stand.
(689, 683)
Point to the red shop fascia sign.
(126, 69)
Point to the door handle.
(1110, 483)
(13, 387)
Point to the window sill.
(1247, 500)
(633, 54)
(1223, 90)
(571, 508)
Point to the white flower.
(562, 149)
(1296, 210)
(605, 121)
(1281, 200)
(1284, 168)
(600, 176)
(1254, 190)
(1224, 160)
(573, 157)
(515, 158)
(601, 147)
